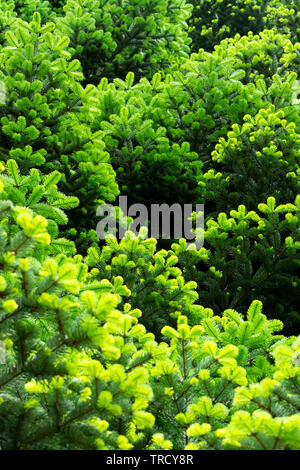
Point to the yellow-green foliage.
(82, 371)
(121, 344)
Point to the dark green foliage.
(156, 282)
(7, 16)
(262, 55)
(127, 345)
(214, 20)
(284, 16)
(40, 194)
(150, 165)
(252, 255)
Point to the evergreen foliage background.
(138, 343)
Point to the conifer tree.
(127, 345)
(284, 17)
(46, 116)
(214, 20)
(135, 36)
(162, 133)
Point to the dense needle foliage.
(138, 343)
